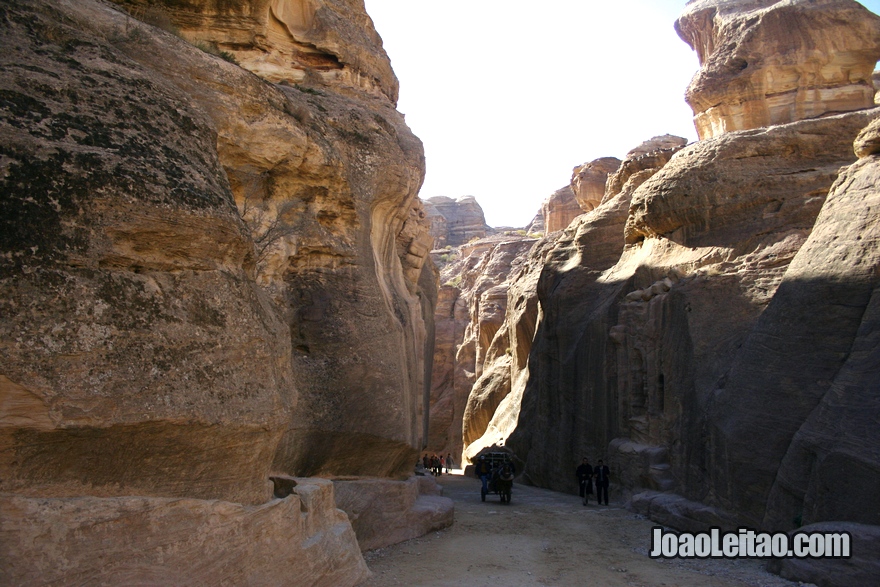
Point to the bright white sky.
(508, 96)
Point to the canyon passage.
(231, 327)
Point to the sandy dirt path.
(545, 538)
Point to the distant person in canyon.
(449, 462)
(602, 472)
(482, 470)
(584, 474)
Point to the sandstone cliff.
(206, 278)
(455, 222)
(769, 62)
(559, 209)
(291, 41)
(709, 328)
(471, 308)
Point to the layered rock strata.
(456, 222)
(559, 209)
(385, 512)
(301, 539)
(588, 181)
(472, 305)
(769, 62)
(206, 279)
(283, 41)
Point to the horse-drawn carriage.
(499, 470)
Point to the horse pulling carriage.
(499, 471)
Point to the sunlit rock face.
(588, 181)
(131, 319)
(769, 62)
(559, 209)
(205, 279)
(472, 306)
(285, 40)
(454, 222)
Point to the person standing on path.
(584, 475)
(602, 472)
(482, 470)
(449, 462)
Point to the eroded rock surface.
(456, 221)
(302, 539)
(206, 279)
(588, 181)
(385, 512)
(290, 41)
(472, 307)
(559, 209)
(768, 62)
(719, 359)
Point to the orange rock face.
(288, 41)
(766, 62)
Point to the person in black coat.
(483, 471)
(584, 475)
(601, 473)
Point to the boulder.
(385, 512)
(301, 539)
(766, 62)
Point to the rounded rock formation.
(766, 62)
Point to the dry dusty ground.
(550, 539)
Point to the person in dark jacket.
(483, 471)
(584, 475)
(601, 473)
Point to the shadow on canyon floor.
(546, 538)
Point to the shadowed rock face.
(723, 359)
(205, 279)
(769, 62)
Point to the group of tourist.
(437, 463)
(586, 474)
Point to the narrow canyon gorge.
(230, 325)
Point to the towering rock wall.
(709, 328)
(206, 279)
(472, 305)
(769, 62)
